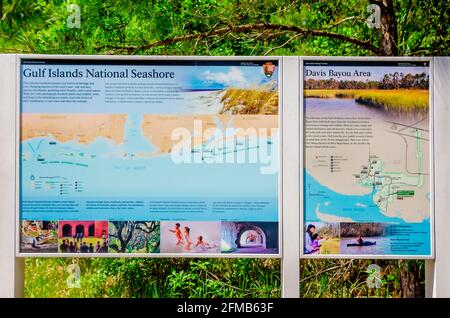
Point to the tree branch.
(284, 44)
(342, 21)
(146, 227)
(248, 28)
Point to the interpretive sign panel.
(367, 158)
(149, 157)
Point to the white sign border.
(126, 58)
(431, 152)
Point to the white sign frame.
(126, 58)
(431, 154)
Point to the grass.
(348, 279)
(330, 246)
(397, 100)
(207, 278)
(155, 278)
(47, 278)
(250, 101)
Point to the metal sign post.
(11, 268)
(438, 270)
(290, 270)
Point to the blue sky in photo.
(186, 78)
(220, 77)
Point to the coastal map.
(137, 145)
(367, 156)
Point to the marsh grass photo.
(402, 100)
(394, 92)
(250, 101)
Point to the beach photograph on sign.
(367, 156)
(190, 237)
(192, 143)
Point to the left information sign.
(150, 157)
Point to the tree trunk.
(409, 271)
(409, 279)
(388, 28)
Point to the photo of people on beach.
(39, 237)
(190, 237)
(365, 238)
(83, 237)
(250, 237)
(321, 238)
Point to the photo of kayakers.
(321, 238)
(365, 238)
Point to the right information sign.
(367, 167)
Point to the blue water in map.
(330, 202)
(104, 170)
(359, 208)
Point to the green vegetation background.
(183, 27)
(233, 278)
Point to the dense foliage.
(146, 27)
(210, 278)
(218, 27)
(155, 278)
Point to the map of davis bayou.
(367, 149)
